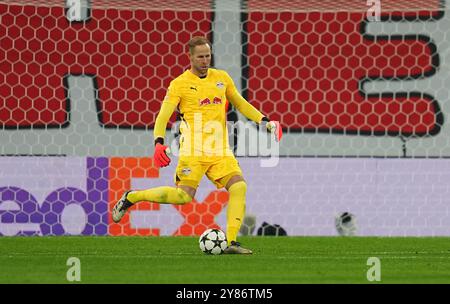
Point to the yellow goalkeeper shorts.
(190, 170)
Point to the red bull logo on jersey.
(207, 101)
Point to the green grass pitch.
(276, 260)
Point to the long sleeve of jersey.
(162, 119)
(168, 107)
(241, 104)
(245, 107)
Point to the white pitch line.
(184, 255)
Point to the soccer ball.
(345, 224)
(213, 241)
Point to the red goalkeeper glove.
(160, 156)
(274, 127)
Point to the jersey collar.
(192, 75)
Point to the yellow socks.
(165, 195)
(236, 209)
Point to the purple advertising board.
(389, 197)
(53, 196)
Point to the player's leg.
(227, 173)
(187, 178)
(163, 195)
(237, 188)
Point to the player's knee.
(183, 197)
(238, 187)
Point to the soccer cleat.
(121, 207)
(236, 248)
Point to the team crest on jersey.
(220, 85)
(204, 102)
(186, 171)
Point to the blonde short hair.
(197, 40)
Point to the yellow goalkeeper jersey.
(201, 103)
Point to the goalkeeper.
(200, 95)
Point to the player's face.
(200, 59)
